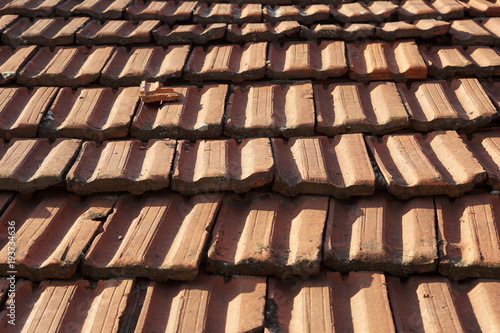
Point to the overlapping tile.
(355, 31)
(227, 13)
(29, 7)
(425, 28)
(354, 107)
(11, 61)
(321, 31)
(483, 7)
(470, 32)
(27, 165)
(227, 62)
(262, 32)
(374, 11)
(411, 10)
(116, 32)
(158, 236)
(169, 12)
(52, 232)
(7, 20)
(434, 105)
(65, 66)
(189, 33)
(266, 234)
(485, 147)
(269, 110)
(492, 88)
(338, 167)
(413, 165)
(308, 14)
(492, 24)
(125, 165)
(97, 9)
(90, 113)
(298, 60)
(21, 110)
(329, 302)
(130, 68)
(399, 61)
(222, 165)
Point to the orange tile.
(97, 9)
(374, 11)
(189, 33)
(306, 14)
(483, 7)
(411, 10)
(323, 31)
(262, 32)
(227, 13)
(169, 12)
(470, 32)
(116, 32)
(425, 28)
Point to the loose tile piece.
(227, 13)
(445, 10)
(338, 167)
(354, 108)
(29, 8)
(486, 148)
(190, 33)
(116, 32)
(126, 165)
(11, 61)
(262, 32)
(426, 28)
(222, 165)
(375, 11)
(21, 110)
(97, 9)
(266, 234)
(169, 12)
(307, 14)
(196, 115)
(298, 60)
(52, 231)
(269, 110)
(175, 232)
(90, 113)
(440, 163)
(27, 165)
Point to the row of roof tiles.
(358, 302)
(163, 235)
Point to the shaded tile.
(485, 147)
(116, 32)
(126, 165)
(267, 234)
(97, 9)
(29, 8)
(269, 110)
(492, 24)
(425, 28)
(298, 60)
(375, 11)
(227, 13)
(338, 167)
(354, 31)
(413, 165)
(169, 12)
(90, 113)
(493, 91)
(11, 61)
(21, 110)
(483, 7)
(262, 32)
(470, 32)
(307, 14)
(354, 107)
(7, 20)
(174, 233)
(65, 66)
(222, 165)
(191, 33)
(52, 232)
(411, 10)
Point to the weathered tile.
(374, 11)
(483, 7)
(90, 113)
(222, 165)
(227, 13)
(262, 32)
(425, 28)
(413, 165)
(307, 14)
(354, 107)
(158, 236)
(29, 8)
(169, 12)
(354, 31)
(267, 234)
(338, 167)
(190, 33)
(125, 165)
(470, 32)
(298, 60)
(21, 110)
(116, 32)
(7, 21)
(97, 9)
(411, 10)
(11, 61)
(269, 110)
(321, 31)
(52, 232)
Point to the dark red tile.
(5, 199)
(485, 147)
(169, 12)
(52, 232)
(267, 234)
(21, 110)
(65, 66)
(425, 28)
(338, 167)
(90, 113)
(493, 91)
(222, 165)
(470, 32)
(483, 7)
(97, 9)
(29, 8)
(307, 14)
(125, 165)
(116, 32)
(7, 20)
(269, 110)
(11, 61)
(227, 13)
(354, 107)
(262, 32)
(411, 10)
(374, 11)
(190, 33)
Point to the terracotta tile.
(65, 66)
(329, 302)
(227, 62)
(321, 31)
(435, 105)
(269, 110)
(354, 107)
(169, 12)
(52, 231)
(27, 165)
(21, 110)
(4, 290)
(267, 234)
(381, 61)
(338, 167)
(11, 61)
(127, 165)
(411, 10)
(191, 33)
(485, 148)
(227, 13)
(130, 68)
(492, 24)
(29, 7)
(262, 32)
(298, 60)
(470, 32)
(354, 31)
(376, 11)
(210, 304)
(222, 165)
(97, 9)
(440, 163)
(5, 199)
(116, 32)
(198, 114)
(493, 91)
(7, 20)
(483, 7)
(90, 113)
(426, 28)
(307, 14)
